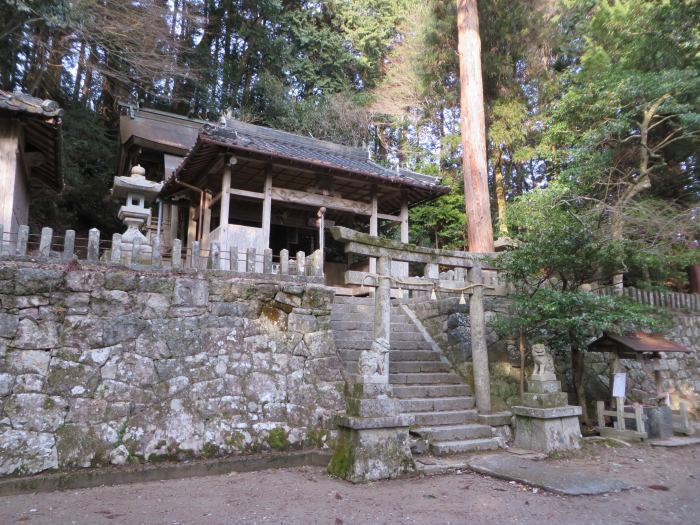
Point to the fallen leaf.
(338, 496)
(659, 487)
(338, 521)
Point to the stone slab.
(383, 407)
(547, 413)
(366, 423)
(548, 475)
(87, 478)
(543, 387)
(496, 419)
(676, 441)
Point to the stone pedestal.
(373, 440)
(546, 423)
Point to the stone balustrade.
(48, 247)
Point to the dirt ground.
(667, 481)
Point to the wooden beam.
(316, 201)
(386, 217)
(246, 193)
(308, 199)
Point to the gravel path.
(668, 492)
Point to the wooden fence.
(670, 300)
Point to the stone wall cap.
(547, 413)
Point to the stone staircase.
(422, 379)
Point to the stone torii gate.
(373, 438)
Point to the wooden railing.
(49, 247)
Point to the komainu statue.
(373, 362)
(544, 365)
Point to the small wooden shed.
(647, 348)
(30, 153)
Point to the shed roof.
(635, 343)
(42, 131)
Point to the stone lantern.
(137, 190)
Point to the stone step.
(454, 432)
(368, 328)
(395, 356)
(351, 365)
(427, 391)
(443, 448)
(446, 417)
(417, 344)
(349, 299)
(437, 404)
(401, 367)
(343, 343)
(423, 378)
(364, 308)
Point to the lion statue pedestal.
(546, 422)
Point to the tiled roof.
(23, 103)
(258, 139)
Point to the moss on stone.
(278, 439)
(343, 456)
(505, 390)
(210, 450)
(274, 316)
(316, 437)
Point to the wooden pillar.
(267, 208)
(404, 220)
(10, 173)
(191, 229)
(174, 223)
(225, 195)
(480, 356)
(206, 226)
(374, 228)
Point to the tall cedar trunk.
(79, 72)
(87, 85)
(521, 351)
(500, 197)
(579, 385)
(473, 127)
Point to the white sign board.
(619, 384)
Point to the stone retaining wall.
(101, 365)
